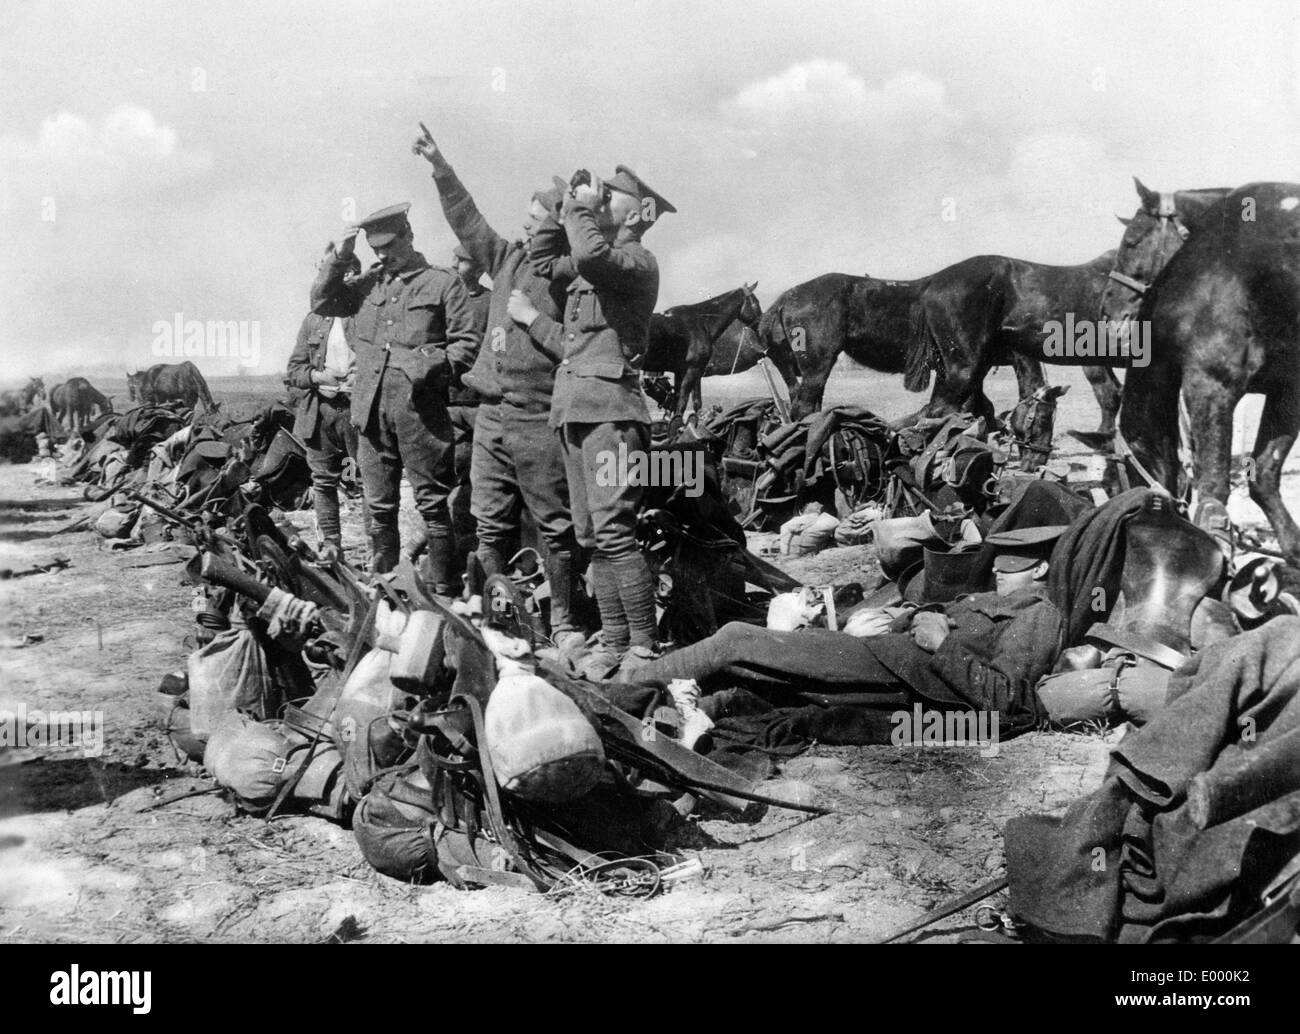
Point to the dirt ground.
(84, 856)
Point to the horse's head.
(134, 383)
(1032, 422)
(1162, 222)
(750, 309)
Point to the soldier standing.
(323, 369)
(594, 251)
(463, 411)
(516, 460)
(413, 331)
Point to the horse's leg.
(956, 386)
(956, 379)
(1030, 379)
(1277, 434)
(688, 389)
(783, 358)
(808, 397)
(1030, 376)
(823, 337)
(1211, 396)
(1106, 386)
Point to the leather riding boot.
(438, 562)
(559, 573)
(492, 559)
(613, 620)
(329, 531)
(385, 543)
(637, 594)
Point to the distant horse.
(1225, 321)
(169, 382)
(981, 311)
(76, 403)
(681, 340)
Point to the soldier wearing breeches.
(414, 329)
(592, 248)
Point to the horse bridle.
(1167, 212)
(1030, 404)
(752, 325)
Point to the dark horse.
(168, 382)
(682, 338)
(965, 319)
(75, 402)
(982, 311)
(877, 323)
(1225, 321)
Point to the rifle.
(195, 525)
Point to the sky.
(195, 158)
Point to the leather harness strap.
(358, 648)
(1125, 453)
(1166, 210)
(491, 791)
(1131, 283)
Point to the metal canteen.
(418, 652)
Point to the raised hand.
(591, 194)
(347, 243)
(424, 145)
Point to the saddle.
(283, 471)
(1170, 566)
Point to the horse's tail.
(923, 353)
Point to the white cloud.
(129, 152)
(827, 92)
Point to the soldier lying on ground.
(985, 651)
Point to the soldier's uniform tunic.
(463, 402)
(411, 328)
(597, 406)
(516, 461)
(323, 420)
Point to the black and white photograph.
(648, 472)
